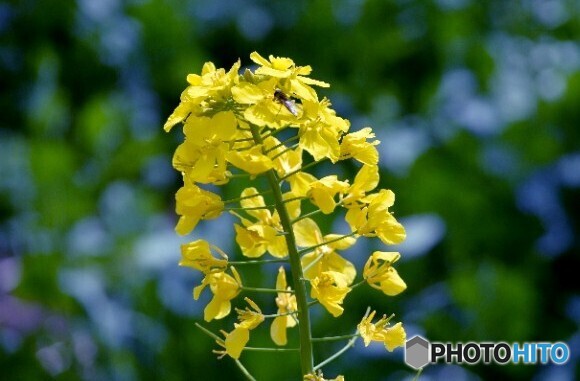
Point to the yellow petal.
(339, 244)
(306, 232)
(278, 331)
(395, 337)
(236, 341)
(281, 279)
(257, 58)
(247, 93)
(180, 113)
(224, 124)
(186, 224)
(394, 284)
(323, 199)
(217, 308)
(252, 161)
(252, 203)
(300, 183)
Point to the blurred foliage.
(476, 104)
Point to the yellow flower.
(224, 288)
(255, 238)
(236, 340)
(300, 183)
(286, 303)
(194, 204)
(355, 145)
(365, 181)
(368, 330)
(323, 191)
(324, 257)
(252, 160)
(375, 219)
(330, 289)
(202, 164)
(263, 109)
(380, 274)
(205, 92)
(197, 255)
(392, 337)
(202, 157)
(292, 78)
(320, 134)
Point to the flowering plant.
(270, 124)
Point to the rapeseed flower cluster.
(269, 126)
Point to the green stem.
(238, 175)
(313, 303)
(363, 281)
(278, 315)
(294, 199)
(260, 289)
(287, 149)
(257, 262)
(231, 200)
(282, 144)
(306, 358)
(337, 354)
(273, 132)
(209, 333)
(251, 208)
(256, 349)
(305, 166)
(307, 215)
(306, 250)
(345, 348)
(239, 140)
(334, 338)
(416, 378)
(244, 370)
(314, 262)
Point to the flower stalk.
(232, 122)
(306, 359)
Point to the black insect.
(286, 101)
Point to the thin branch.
(306, 250)
(256, 262)
(260, 289)
(307, 215)
(306, 166)
(343, 349)
(315, 261)
(244, 370)
(232, 200)
(337, 354)
(209, 333)
(416, 378)
(281, 144)
(269, 207)
(274, 132)
(256, 349)
(279, 315)
(335, 338)
(294, 199)
(283, 152)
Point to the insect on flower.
(286, 101)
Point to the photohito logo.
(420, 352)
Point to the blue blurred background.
(477, 105)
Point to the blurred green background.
(477, 105)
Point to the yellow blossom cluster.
(269, 123)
